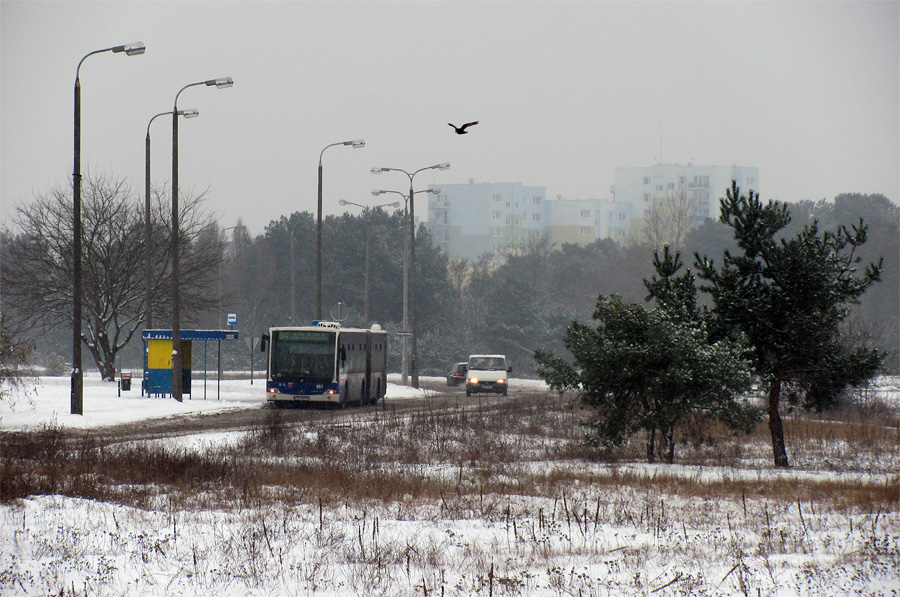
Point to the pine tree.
(649, 369)
(789, 296)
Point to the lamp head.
(435, 191)
(443, 166)
(377, 170)
(132, 49)
(190, 113)
(376, 192)
(356, 143)
(394, 204)
(342, 202)
(220, 83)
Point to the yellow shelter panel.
(159, 354)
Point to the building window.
(659, 188)
(623, 217)
(496, 232)
(671, 186)
(497, 198)
(646, 197)
(585, 231)
(536, 200)
(751, 180)
(646, 180)
(536, 217)
(496, 215)
(585, 213)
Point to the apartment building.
(470, 220)
(700, 187)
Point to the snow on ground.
(617, 542)
(50, 402)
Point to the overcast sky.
(808, 92)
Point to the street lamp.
(412, 256)
(176, 313)
(148, 299)
(77, 396)
(368, 212)
(355, 144)
(405, 332)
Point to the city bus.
(325, 362)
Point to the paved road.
(439, 397)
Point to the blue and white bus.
(325, 363)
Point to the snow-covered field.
(592, 538)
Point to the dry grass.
(529, 446)
(502, 499)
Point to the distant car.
(458, 374)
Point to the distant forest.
(463, 307)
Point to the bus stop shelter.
(157, 378)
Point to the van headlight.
(473, 380)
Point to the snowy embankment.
(104, 404)
(672, 532)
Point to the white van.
(487, 373)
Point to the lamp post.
(77, 395)
(176, 313)
(368, 213)
(355, 144)
(148, 267)
(405, 332)
(412, 257)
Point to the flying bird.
(461, 130)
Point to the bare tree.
(458, 272)
(669, 220)
(15, 368)
(37, 269)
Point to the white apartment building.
(469, 220)
(702, 186)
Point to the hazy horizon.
(808, 92)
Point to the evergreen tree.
(648, 370)
(789, 296)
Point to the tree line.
(521, 303)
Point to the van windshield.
(487, 364)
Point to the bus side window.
(263, 341)
(343, 355)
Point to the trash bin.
(126, 383)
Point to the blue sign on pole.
(232, 319)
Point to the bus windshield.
(303, 356)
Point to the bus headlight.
(501, 381)
(273, 390)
